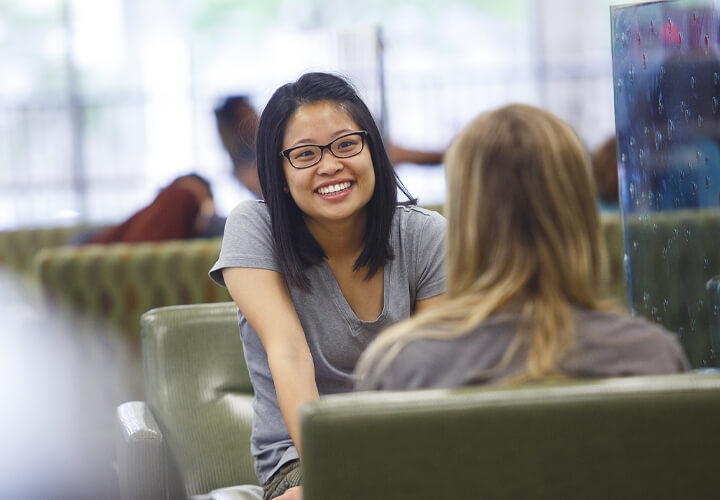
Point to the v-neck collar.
(342, 304)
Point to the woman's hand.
(291, 494)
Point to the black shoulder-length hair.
(295, 247)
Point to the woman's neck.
(340, 240)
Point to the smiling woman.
(323, 264)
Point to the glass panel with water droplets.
(666, 69)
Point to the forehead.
(317, 122)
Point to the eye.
(303, 154)
(347, 143)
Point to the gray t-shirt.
(608, 345)
(336, 336)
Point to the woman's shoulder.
(633, 335)
(437, 359)
(410, 219)
(415, 212)
(249, 216)
(251, 208)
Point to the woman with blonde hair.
(526, 272)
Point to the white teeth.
(334, 188)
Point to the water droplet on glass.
(635, 245)
(646, 300)
(694, 18)
(682, 174)
(707, 43)
(676, 232)
(687, 115)
(669, 26)
(641, 155)
(646, 130)
(652, 27)
(666, 305)
(700, 121)
(716, 310)
(659, 206)
(644, 61)
(707, 182)
(716, 78)
(715, 103)
(654, 314)
(632, 141)
(631, 73)
(658, 140)
(706, 261)
(700, 305)
(694, 189)
(622, 38)
(622, 157)
(655, 228)
(619, 85)
(692, 82)
(683, 106)
(661, 106)
(680, 38)
(639, 40)
(676, 202)
(670, 129)
(688, 235)
(631, 188)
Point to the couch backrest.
(18, 247)
(635, 437)
(119, 282)
(198, 388)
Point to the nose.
(329, 164)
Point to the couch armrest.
(142, 468)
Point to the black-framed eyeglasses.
(307, 155)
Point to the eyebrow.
(309, 142)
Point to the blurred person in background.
(181, 210)
(237, 123)
(605, 171)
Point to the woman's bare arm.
(263, 298)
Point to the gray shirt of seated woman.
(608, 345)
(334, 333)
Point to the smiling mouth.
(334, 188)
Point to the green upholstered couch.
(119, 282)
(634, 437)
(672, 255)
(627, 438)
(191, 434)
(18, 247)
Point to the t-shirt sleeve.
(430, 256)
(247, 241)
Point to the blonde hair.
(523, 233)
